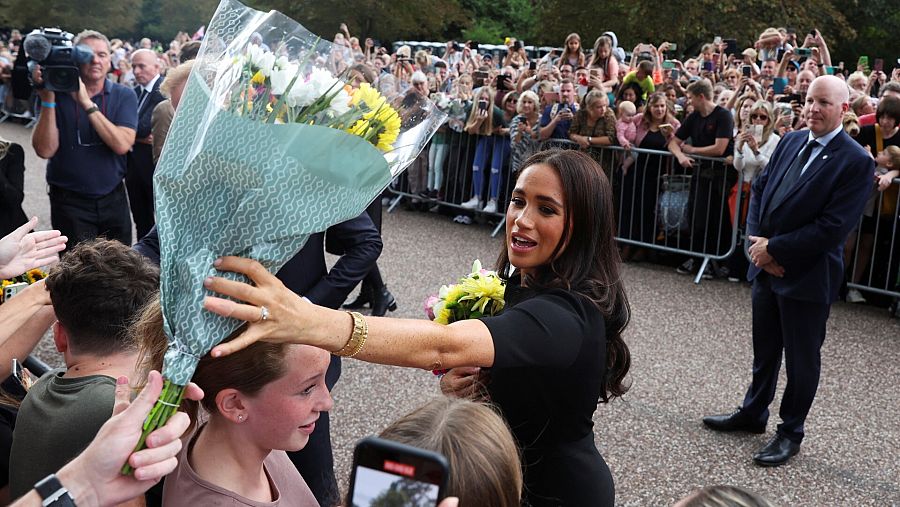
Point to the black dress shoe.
(777, 452)
(360, 302)
(382, 301)
(735, 421)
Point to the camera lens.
(62, 79)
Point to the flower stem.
(168, 403)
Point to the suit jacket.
(145, 108)
(807, 230)
(307, 273)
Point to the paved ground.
(691, 356)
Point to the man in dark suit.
(802, 208)
(139, 178)
(359, 244)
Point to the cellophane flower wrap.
(269, 144)
(477, 294)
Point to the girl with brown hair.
(258, 403)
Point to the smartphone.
(708, 66)
(673, 47)
(668, 64)
(13, 289)
(756, 131)
(482, 105)
(804, 52)
(778, 85)
(831, 70)
(675, 74)
(390, 473)
(731, 46)
(779, 54)
(665, 126)
(21, 375)
(746, 70)
(878, 66)
(532, 65)
(863, 62)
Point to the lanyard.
(78, 120)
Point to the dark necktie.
(792, 175)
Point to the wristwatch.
(91, 110)
(54, 493)
(589, 139)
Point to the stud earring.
(241, 417)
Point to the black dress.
(549, 363)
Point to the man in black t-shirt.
(710, 129)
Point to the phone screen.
(532, 65)
(746, 70)
(389, 473)
(878, 66)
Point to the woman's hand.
(287, 315)
(462, 382)
(581, 140)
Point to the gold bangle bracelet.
(357, 338)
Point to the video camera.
(58, 58)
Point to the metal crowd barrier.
(873, 250)
(660, 205)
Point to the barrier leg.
(699, 276)
(395, 203)
(500, 225)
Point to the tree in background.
(853, 27)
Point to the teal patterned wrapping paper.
(228, 185)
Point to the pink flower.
(429, 306)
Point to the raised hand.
(22, 250)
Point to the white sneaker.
(472, 203)
(491, 206)
(854, 296)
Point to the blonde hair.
(175, 77)
(529, 95)
(725, 496)
(487, 126)
(763, 105)
(893, 153)
(484, 460)
(627, 107)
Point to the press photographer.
(85, 134)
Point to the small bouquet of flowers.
(27, 278)
(269, 145)
(477, 294)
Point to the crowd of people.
(265, 404)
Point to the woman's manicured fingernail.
(122, 380)
(217, 262)
(207, 281)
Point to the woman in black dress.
(641, 185)
(554, 353)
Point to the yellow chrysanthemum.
(380, 125)
(5, 283)
(258, 78)
(443, 316)
(483, 290)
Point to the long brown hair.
(647, 118)
(586, 260)
(487, 126)
(248, 370)
(484, 459)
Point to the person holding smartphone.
(555, 351)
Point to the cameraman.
(86, 135)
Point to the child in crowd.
(626, 131)
(888, 166)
